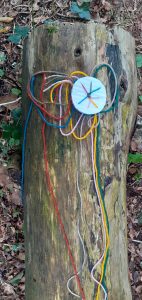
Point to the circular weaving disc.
(88, 95)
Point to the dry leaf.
(22, 287)
(35, 5)
(140, 110)
(40, 19)
(8, 289)
(132, 170)
(6, 19)
(21, 256)
(95, 8)
(133, 146)
(139, 289)
(2, 233)
(5, 29)
(16, 197)
(106, 5)
(4, 178)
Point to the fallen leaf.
(5, 29)
(14, 38)
(40, 19)
(140, 110)
(16, 91)
(132, 170)
(139, 60)
(95, 8)
(21, 256)
(1, 72)
(106, 5)
(82, 11)
(22, 287)
(35, 7)
(8, 289)
(4, 178)
(136, 276)
(16, 197)
(133, 146)
(6, 19)
(137, 139)
(139, 289)
(15, 280)
(2, 233)
(2, 57)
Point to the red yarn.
(44, 110)
(55, 201)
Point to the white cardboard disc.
(88, 95)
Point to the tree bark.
(65, 47)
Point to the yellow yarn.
(104, 219)
(95, 167)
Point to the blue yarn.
(41, 114)
(23, 149)
(88, 95)
(25, 131)
(52, 124)
(48, 123)
(115, 104)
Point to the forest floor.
(17, 18)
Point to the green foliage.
(16, 214)
(140, 98)
(138, 176)
(51, 26)
(15, 280)
(51, 29)
(6, 248)
(1, 72)
(20, 80)
(82, 11)
(2, 193)
(11, 133)
(14, 38)
(140, 218)
(15, 91)
(139, 60)
(2, 57)
(20, 32)
(135, 158)
(16, 247)
(48, 21)
(16, 114)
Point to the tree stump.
(65, 47)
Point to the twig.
(13, 80)
(16, 7)
(137, 241)
(11, 102)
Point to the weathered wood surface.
(78, 47)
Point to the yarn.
(54, 83)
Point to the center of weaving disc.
(88, 95)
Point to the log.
(65, 47)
